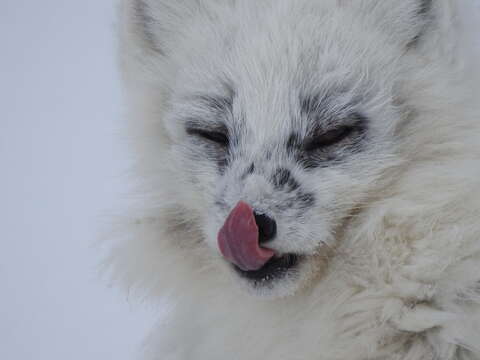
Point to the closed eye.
(213, 136)
(329, 138)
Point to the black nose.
(267, 228)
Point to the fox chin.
(309, 176)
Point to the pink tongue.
(238, 240)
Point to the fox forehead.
(283, 40)
(275, 91)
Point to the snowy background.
(62, 161)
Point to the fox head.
(269, 125)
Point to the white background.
(61, 163)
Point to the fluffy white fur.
(393, 242)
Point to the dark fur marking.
(210, 127)
(424, 12)
(214, 140)
(222, 163)
(356, 121)
(217, 104)
(306, 199)
(311, 105)
(216, 135)
(283, 178)
(324, 139)
(268, 155)
(311, 162)
(312, 157)
(287, 205)
(250, 170)
(300, 201)
(293, 142)
(425, 7)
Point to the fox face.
(302, 167)
(281, 119)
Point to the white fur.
(393, 241)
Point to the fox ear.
(404, 21)
(409, 22)
(153, 24)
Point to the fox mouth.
(276, 268)
(241, 242)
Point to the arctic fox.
(310, 177)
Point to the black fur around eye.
(217, 137)
(329, 138)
